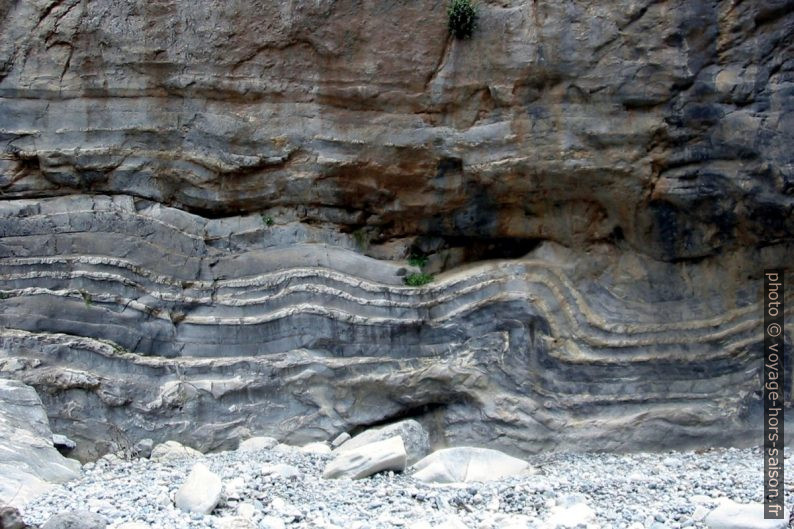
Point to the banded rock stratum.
(208, 208)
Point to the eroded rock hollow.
(209, 210)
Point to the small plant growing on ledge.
(417, 280)
(362, 239)
(462, 18)
(87, 299)
(417, 260)
(267, 220)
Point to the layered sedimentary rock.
(207, 207)
(136, 320)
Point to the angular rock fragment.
(414, 436)
(463, 464)
(340, 440)
(254, 444)
(173, 450)
(143, 448)
(281, 470)
(61, 442)
(367, 460)
(76, 520)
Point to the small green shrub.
(267, 220)
(417, 280)
(362, 238)
(417, 260)
(462, 18)
(87, 299)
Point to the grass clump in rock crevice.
(417, 280)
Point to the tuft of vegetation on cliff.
(462, 18)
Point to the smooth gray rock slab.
(368, 459)
(201, 492)
(464, 464)
(76, 520)
(29, 462)
(414, 436)
(732, 515)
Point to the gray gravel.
(626, 491)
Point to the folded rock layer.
(206, 208)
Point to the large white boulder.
(368, 459)
(173, 450)
(29, 463)
(255, 444)
(201, 491)
(465, 463)
(414, 436)
(732, 515)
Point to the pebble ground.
(636, 491)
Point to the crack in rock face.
(293, 220)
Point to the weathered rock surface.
(464, 463)
(368, 459)
(173, 450)
(666, 121)
(76, 520)
(186, 200)
(200, 492)
(257, 443)
(128, 308)
(413, 435)
(29, 463)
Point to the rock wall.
(29, 463)
(207, 207)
